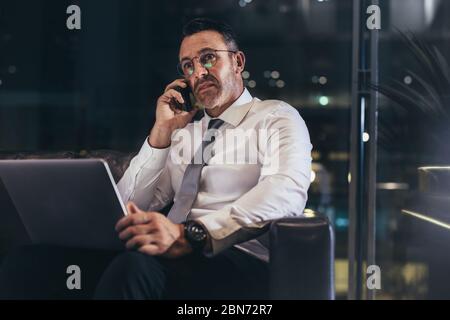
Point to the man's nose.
(199, 70)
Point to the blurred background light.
(407, 80)
(323, 100)
(365, 137)
(313, 176)
(280, 83)
(252, 83)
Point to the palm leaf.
(427, 99)
(432, 66)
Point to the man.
(211, 244)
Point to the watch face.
(196, 232)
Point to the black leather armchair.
(302, 258)
(301, 249)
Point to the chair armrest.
(302, 258)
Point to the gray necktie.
(191, 179)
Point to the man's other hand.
(152, 233)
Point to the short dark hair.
(203, 24)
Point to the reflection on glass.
(412, 202)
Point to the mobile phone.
(188, 97)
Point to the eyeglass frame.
(205, 51)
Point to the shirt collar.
(235, 113)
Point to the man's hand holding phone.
(169, 116)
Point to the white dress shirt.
(246, 184)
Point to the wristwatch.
(195, 234)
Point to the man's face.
(215, 86)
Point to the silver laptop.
(71, 203)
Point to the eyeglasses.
(207, 59)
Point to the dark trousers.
(40, 272)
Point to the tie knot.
(215, 123)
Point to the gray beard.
(209, 103)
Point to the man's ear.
(240, 61)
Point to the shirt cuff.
(151, 158)
(224, 231)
